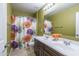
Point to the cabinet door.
(36, 49)
(41, 53)
(45, 53)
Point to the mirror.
(47, 26)
(63, 20)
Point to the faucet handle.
(66, 42)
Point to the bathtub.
(2, 48)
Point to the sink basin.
(57, 42)
(74, 46)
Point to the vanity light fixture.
(48, 6)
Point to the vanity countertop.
(68, 50)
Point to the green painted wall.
(21, 13)
(64, 22)
(40, 22)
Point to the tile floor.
(22, 52)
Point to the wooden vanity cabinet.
(41, 49)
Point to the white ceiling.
(27, 7)
(33, 7)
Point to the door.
(3, 28)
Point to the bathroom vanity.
(48, 47)
(41, 49)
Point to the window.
(77, 24)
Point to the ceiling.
(33, 7)
(27, 7)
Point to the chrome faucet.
(46, 36)
(66, 42)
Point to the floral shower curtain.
(23, 28)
